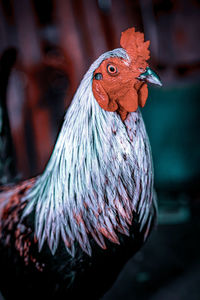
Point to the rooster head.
(121, 84)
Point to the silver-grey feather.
(99, 173)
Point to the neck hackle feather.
(95, 176)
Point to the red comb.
(134, 44)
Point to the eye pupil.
(111, 69)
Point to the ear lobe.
(102, 97)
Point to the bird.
(68, 232)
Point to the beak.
(150, 76)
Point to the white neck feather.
(87, 187)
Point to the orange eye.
(111, 69)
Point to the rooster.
(67, 233)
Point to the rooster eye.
(111, 69)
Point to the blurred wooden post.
(119, 18)
(94, 27)
(70, 43)
(28, 41)
(30, 52)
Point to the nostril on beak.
(150, 76)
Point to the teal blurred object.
(172, 118)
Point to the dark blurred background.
(54, 42)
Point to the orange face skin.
(119, 89)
